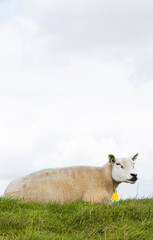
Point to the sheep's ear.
(135, 156)
(111, 158)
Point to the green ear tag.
(111, 160)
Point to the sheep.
(90, 184)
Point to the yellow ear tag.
(114, 196)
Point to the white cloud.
(102, 29)
(88, 7)
(10, 42)
(25, 24)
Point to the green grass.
(129, 220)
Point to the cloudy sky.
(76, 84)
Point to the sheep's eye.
(119, 165)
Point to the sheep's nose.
(133, 175)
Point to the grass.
(122, 220)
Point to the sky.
(76, 84)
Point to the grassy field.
(129, 220)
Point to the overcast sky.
(76, 84)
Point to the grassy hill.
(122, 220)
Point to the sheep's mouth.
(132, 180)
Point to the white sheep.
(90, 184)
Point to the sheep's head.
(123, 169)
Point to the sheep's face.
(123, 169)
